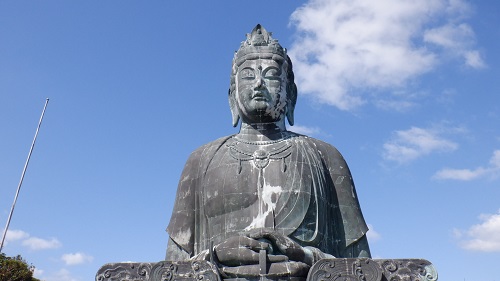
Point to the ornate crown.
(259, 44)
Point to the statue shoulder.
(206, 151)
(329, 153)
(216, 144)
(324, 148)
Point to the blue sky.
(408, 92)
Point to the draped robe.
(299, 186)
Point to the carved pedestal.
(372, 270)
(323, 270)
(159, 271)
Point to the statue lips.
(259, 96)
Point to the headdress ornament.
(259, 44)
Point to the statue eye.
(247, 74)
(272, 73)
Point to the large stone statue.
(265, 195)
(266, 204)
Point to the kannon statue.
(265, 194)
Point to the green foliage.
(15, 269)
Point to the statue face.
(261, 91)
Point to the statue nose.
(259, 82)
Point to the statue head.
(262, 81)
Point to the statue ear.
(234, 109)
(290, 107)
(289, 115)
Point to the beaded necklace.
(260, 152)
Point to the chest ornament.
(260, 153)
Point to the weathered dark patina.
(267, 203)
(265, 188)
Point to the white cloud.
(305, 130)
(495, 160)
(38, 273)
(460, 174)
(61, 275)
(411, 144)
(14, 235)
(35, 243)
(372, 234)
(484, 236)
(492, 170)
(456, 39)
(473, 59)
(76, 258)
(343, 47)
(449, 35)
(395, 105)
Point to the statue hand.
(278, 271)
(285, 245)
(242, 250)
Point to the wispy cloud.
(457, 39)
(305, 130)
(35, 243)
(492, 170)
(38, 273)
(14, 235)
(394, 105)
(343, 47)
(76, 258)
(482, 237)
(372, 234)
(32, 242)
(415, 142)
(60, 275)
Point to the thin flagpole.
(22, 175)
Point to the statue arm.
(355, 228)
(186, 224)
(182, 229)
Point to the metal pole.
(22, 175)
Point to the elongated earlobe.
(292, 100)
(234, 109)
(289, 115)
